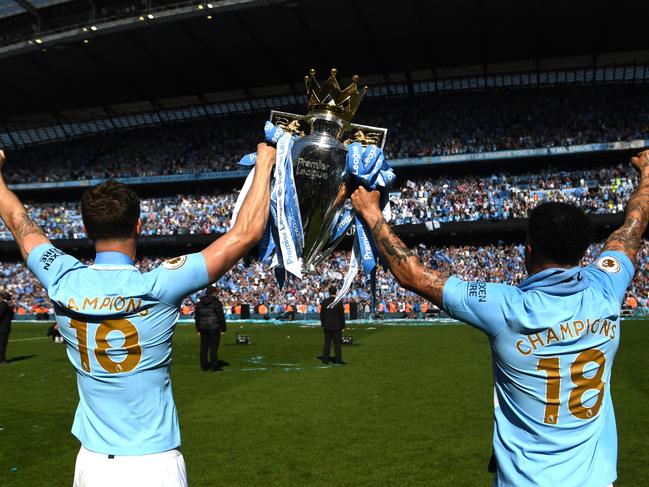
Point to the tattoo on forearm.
(434, 282)
(24, 226)
(434, 278)
(628, 238)
(391, 244)
(405, 265)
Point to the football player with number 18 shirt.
(553, 337)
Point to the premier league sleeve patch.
(175, 263)
(608, 264)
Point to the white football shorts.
(166, 469)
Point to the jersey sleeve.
(480, 304)
(613, 272)
(50, 264)
(179, 277)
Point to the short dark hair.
(110, 210)
(332, 291)
(559, 232)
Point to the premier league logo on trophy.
(320, 156)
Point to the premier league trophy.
(319, 162)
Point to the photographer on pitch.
(210, 323)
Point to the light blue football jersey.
(118, 323)
(553, 341)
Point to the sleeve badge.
(175, 263)
(608, 264)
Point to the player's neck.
(126, 246)
(536, 267)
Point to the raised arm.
(251, 221)
(26, 233)
(403, 262)
(628, 238)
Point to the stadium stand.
(503, 196)
(417, 126)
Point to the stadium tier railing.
(520, 153)
(397, 163)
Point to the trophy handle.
(299, 125)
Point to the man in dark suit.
(210, 323)
(6, 315)
(333, 324)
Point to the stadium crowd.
(442, 199)
(601, 190)
(254, 283)
(418, 126)
(511, 119)
(175, 215)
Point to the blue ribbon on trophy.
(283, 239)
(366, 166)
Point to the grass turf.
(412, 407)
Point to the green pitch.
(412, 407)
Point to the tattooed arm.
(628, 238)
(26, 233)
(403, 262)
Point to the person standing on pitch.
(118, 324)
(210, 323)
(6, 316)
(332, 321)
(553, 337)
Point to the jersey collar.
(556, 281)
(112, 258)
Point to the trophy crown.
(331, 98)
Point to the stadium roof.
(9, 7)
(13, 7)
(188, 53)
